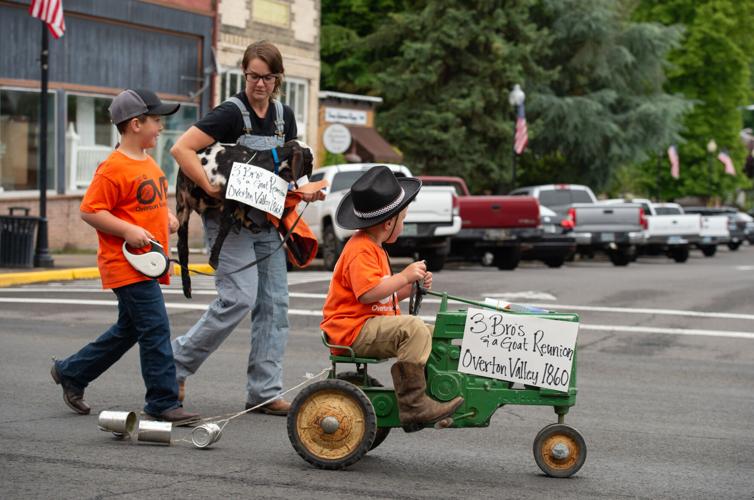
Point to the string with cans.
(122, 424)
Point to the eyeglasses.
(254, 78)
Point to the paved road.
(665, 401)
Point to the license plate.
(410, 230)
(607, 237)
(706, 239)
(674, 240)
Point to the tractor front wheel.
(559, 450)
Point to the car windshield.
(344, 180)
(667, 211)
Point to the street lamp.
(711, 148)
(516, 98)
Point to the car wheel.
(708, 250)
(733, 245)
(554, 261)
(507, 259)
(434, 261)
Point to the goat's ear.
(297, 164)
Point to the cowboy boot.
(415, 408)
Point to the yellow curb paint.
(81, 273)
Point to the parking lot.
(666, 367)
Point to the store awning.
(372, 147)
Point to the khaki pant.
(407, 337)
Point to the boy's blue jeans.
(142, 318)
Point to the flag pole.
(42, 257)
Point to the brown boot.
(414, 406)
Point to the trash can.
(17, 236)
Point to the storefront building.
(188, 51)
(356, 113)
(108, 45)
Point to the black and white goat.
(295, 160)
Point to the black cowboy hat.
(375, 197)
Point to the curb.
(80, 273)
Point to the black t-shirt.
(225, 122)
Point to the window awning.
(372, 147)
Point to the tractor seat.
(349, 356)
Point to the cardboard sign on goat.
(257, 187)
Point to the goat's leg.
(183, 212)
(226, 222)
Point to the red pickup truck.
(508, 227)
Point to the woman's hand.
(315, 196)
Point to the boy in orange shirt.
(127, 201)
(361, 309)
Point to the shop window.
(19, 140)
(295, 95)
(174, 126)
(90, 138)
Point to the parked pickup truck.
(668, 231)
(431, 220)
(719, 227)
(614, 228)
(505, 227)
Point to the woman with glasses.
(256, 119)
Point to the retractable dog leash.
(155, 263)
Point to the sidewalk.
(66, 267)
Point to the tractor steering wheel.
(415, 299)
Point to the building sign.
(336, 138)
(257, 187)
(349, 116)
(518, 348)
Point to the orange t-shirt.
(361, 267)
(135, 191)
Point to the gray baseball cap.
(132, 103)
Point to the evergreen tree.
(605, 106)
(445, 81)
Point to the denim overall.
(261, 289)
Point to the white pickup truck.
(433, 217)
(614, 228)
(716, 229)
(668, 231)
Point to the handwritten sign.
(257, 187)
(518, 348)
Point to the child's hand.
(414, 271)
(137, 237)
(172, 223)
(428, 281)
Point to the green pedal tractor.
(333, 423)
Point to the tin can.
(206, 434)
(120, 423)
(155, 432)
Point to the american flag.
(51, 12)
(675, 166)
(522, 134)
(725, 160)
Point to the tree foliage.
(446, 80)
(711, 67)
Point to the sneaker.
(72, 396)
(279, 407)
(177, 416)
